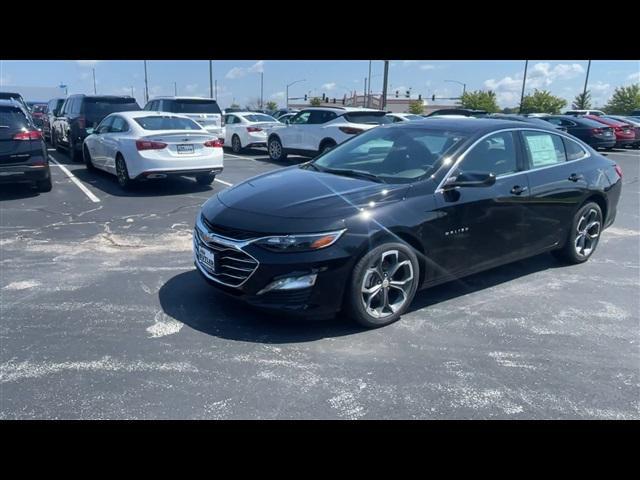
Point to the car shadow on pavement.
(483, 280)
(15, 191)
(190, 300)
(149, 188)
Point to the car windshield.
(257, 117)
(195, 106)
(392, 155)
(167, 123)
(38, 108)
(413, 117)
(367, 118)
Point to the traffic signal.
(334, 100)
(396, 93)
(323, 97)
(305, 97)
(419, 96)
(433, 97)
(408, 94)
(344, 99)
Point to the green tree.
(416, 107)
(234, 105)
(272, 105)
(315, 102)
(582, 101)
(510, 110)
(624, 100)
(480, 100)
(542, 101)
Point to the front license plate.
(185, 149)
(207, 258)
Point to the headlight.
(299, 243)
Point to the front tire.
(383, 284)
(584, 235)
(87, 159)
(276, 151)
(122, 173)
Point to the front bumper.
(323, 299)
(623, 142)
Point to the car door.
(479, 226)
(314, 132)
(96, 143)
(291, 135)
(111, 141)
(230, 128)
(557, 185)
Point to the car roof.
(147, 113)
(343, 109)
(180, 97)
(463, 125)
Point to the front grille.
(232, 266)
(230, 232)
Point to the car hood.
(300, 193)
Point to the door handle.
(574, 177)
(517, 190)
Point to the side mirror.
(470, 179)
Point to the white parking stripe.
(238, 156)
(78, 183)
(224, 183)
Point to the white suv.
(316, 129)
(204, 111)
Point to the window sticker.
(543, 151)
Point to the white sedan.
(404, 117)
(145, 145)
(247, 129)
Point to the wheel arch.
(325, 141)
(599, 199)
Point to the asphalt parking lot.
(104, 317)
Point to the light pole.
(132, 91)
(464, 85)
(384, 84)
(210, 79)
(289, 85)
(175, 88)
(261, 88)
(94, 81)
(146, 84)
(66, 92)
(586, 80)
(216, 90)
(369, 91)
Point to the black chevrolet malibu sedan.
(401, 207)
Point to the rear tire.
(122, 173)
(276, 151)
(236, 145)
(383, 284)
(205, 179)
(87, 159)
(582, 241)
(326, 146)
(44, 185)
(73, 154)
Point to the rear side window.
(167, 123)
(544, 149)
(573, 150)
(318, 117)
(195, 106)
(119, 125)
(11, 120)
(101, 107)
(259, 118)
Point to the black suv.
(53, 109)
(23, 153)
(80, 114)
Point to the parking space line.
(238, 156)
(224, 183)
(73, 178)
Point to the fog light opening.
(291, 283)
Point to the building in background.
(394, 105)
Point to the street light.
(292, 83)
(464, 85)
(66, 92)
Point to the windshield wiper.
(353, 173)
(312, 165)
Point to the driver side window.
(105, 125)
(495, 154)
(301, 118)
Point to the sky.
(239, 81)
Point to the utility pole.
(132, 91)
(94, 81)
(216, 90)
(261, 88)
(210, 79)
(369, 91)
(287, 91)
(175, 89)
(586, 80)
(524, 81)
(146, 84)
(364, 102)
(384, 85)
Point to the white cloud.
(235, 72)
(191, 88)
(329, 86)
(85, 75)
(428, 66)
(634, 77)
(277, 96)
(5, 79)
(87, 63)
(406, 63)
(257, 67)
